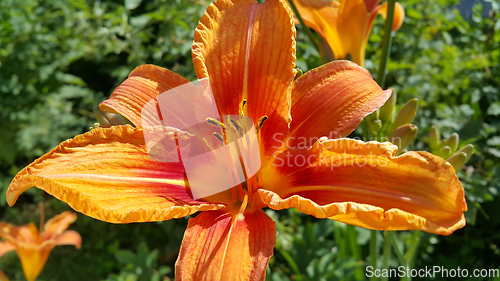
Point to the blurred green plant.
(140, 266)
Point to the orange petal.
(33, 258)
(344, 24)
(371, 4)
(399, 15)
(332, 100)
(322, 16)
(9, 233)
(247, 50)
(3, 277)
(6, 247)
(58, 224)
(144, 83)
(69, 237)
(364, 184)
(107, 174)
(221, 246)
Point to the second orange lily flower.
(33, 247)
(346, 24)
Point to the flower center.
(238, 130)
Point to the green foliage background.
(59, 59)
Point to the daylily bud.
(445, 152)
(374, 126)
(108, 119)
(403, 136)
(458, 160)
(434, 138)
(387, 110)
(373, 116)
(298, 73)
(406, 114)
(452, 142)
(468, 149)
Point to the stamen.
(261, 122)
(242, 208)
(216, 123)
(219, 137)
(237, 127)
(242, 106)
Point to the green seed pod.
(406, 114)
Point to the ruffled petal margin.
(220, 246)
(364, 184)
(108, 175)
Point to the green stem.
(304, 26)
(386, 252)
(386, 45)
(412, 251)
(356, 251)
(339, 239)
(364, 130)
(373, 252)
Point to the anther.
(219, 137)
(261, 122)
(237, 127)
(242, 106)
(216, 123)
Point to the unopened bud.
(445, 152)
(298, 73)
(434, 139)
(452, 142)
(458, 160)
(403, 136)
(374, 126)
(108, 119)
(387, 110)
(406, 114)
(468, 149)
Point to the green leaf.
(494, 109)
(125, 256)
(132, 4)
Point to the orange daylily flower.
(33, 247)
(247, 52)
(346, 24)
